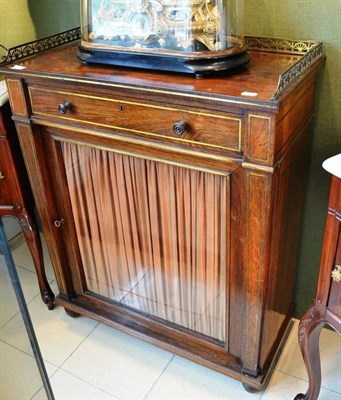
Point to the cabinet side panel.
(288, 199)
(297, 111)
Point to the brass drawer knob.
(63, 108)
(180, 127)
(336, 273)
(2, 176)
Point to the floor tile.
(58, 334)
(67, 387)
(19, 374)
(98, 362)
(8, 303)
(22, 257)
(285, 387)
(118, 363)
(291, 361)
(186, 380)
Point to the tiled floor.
(87, 360)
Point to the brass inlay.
(136, 131)
(134, 103)
(141, 156)
(266, 104)
(2, 176)
(267, 141)
(257, 167)
(238, 148)
(135, 141)
(13, 104)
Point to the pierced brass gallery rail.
(310, 51)
(38, 46)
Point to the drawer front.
(212, 131)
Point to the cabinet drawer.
(154, 121)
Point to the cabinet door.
(150, 235)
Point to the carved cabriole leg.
(32, 238)
(308, 335)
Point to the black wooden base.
(197, 66)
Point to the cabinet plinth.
(171, 206)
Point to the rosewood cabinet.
(171, 205)
(326, 308)
(16, 198)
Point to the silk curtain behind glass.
(152, 236)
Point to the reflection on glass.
(152, 236)
(167, 26)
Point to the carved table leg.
(33, 241)
(308, 334)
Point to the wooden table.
(326, 308)
(16, 198)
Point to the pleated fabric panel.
(152, 236)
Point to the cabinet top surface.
(253, 84)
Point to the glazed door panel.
(151, 236)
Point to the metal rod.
(24, 310)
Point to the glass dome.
(195, 36)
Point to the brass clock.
(193, 36)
